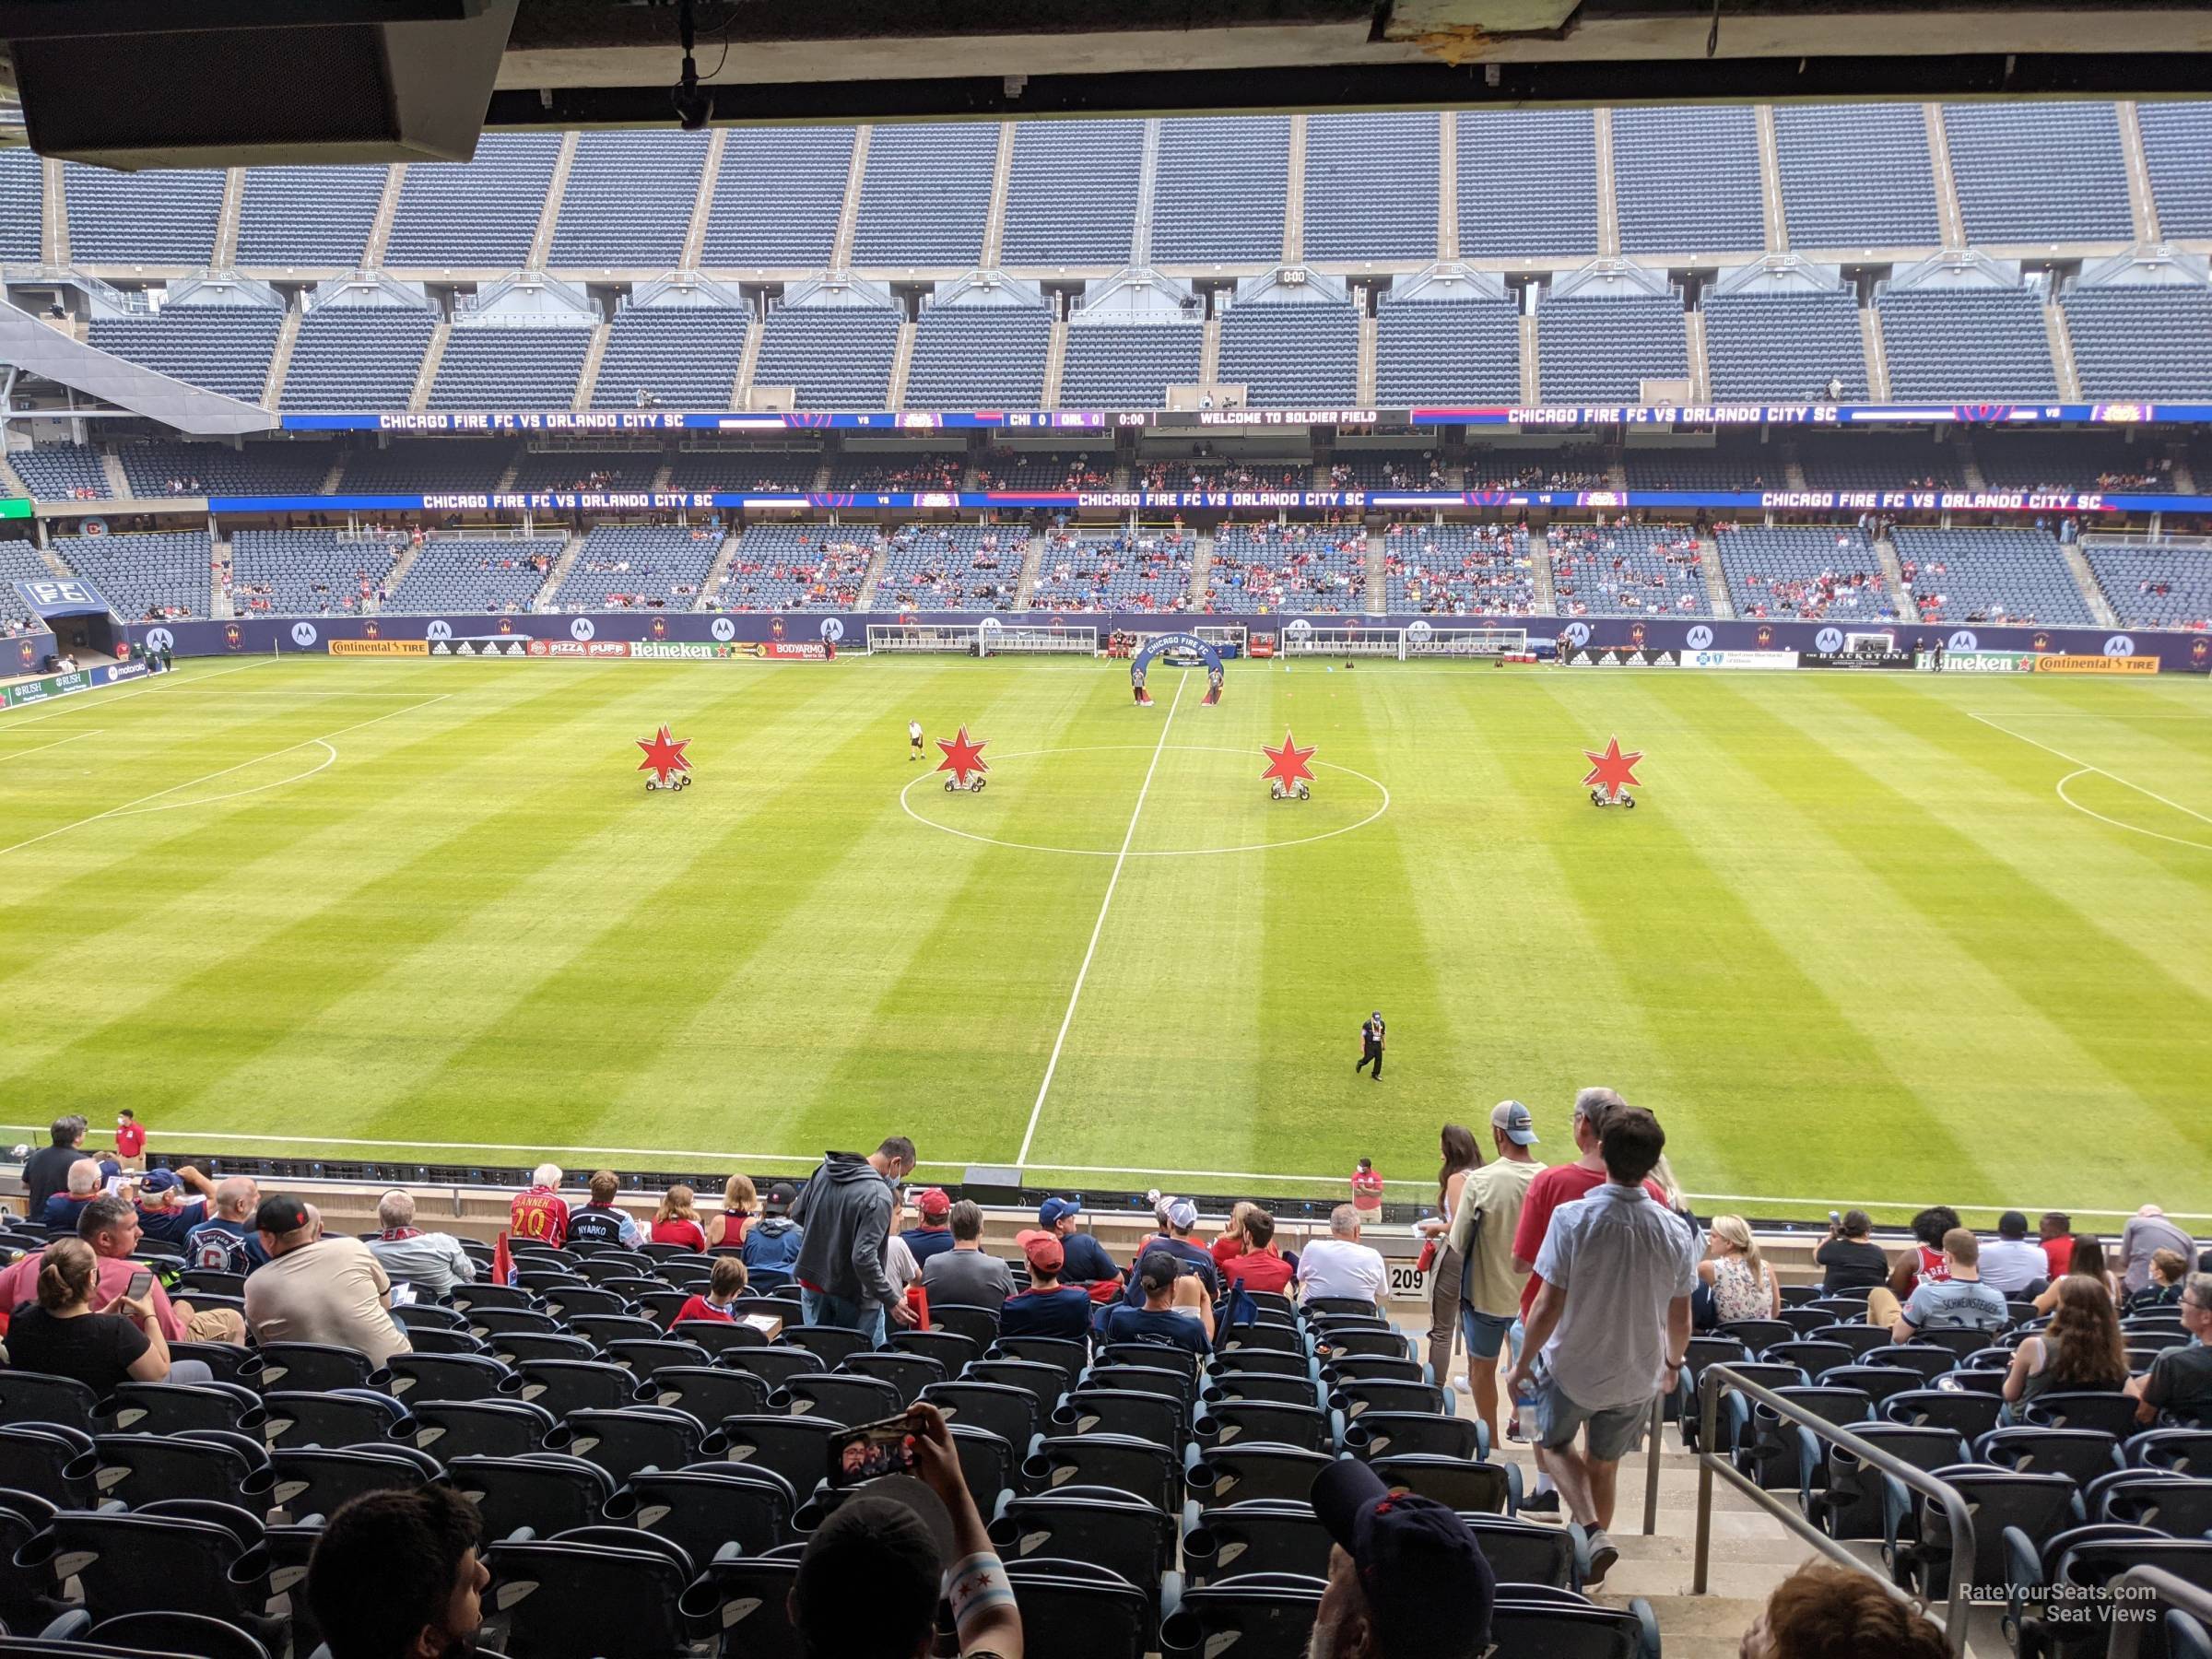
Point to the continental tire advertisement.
(380, 648)
(2096, 664)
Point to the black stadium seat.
(1255, 1614)
(549, 1492)
(590, 1592)
(126, 1563)
(1260, 1535)
(1090, 1611)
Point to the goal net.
(1422, 642)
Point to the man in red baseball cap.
(933, 1236)
(1406, 1578)
(1047, 1308)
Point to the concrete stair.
(1878, 353)
(559, 573)
(1294, 198)
(541, 244)
(11, 481)
(902, 364)
(1447, 185)
(1210, 354)
(747, 361)
(280, 360)
(695, 238)
(1717, 580)
(53, 220)
(1608, 203)
(1032, 560)
(1056, 366)
(506, 478)
(224, 256)
(1202, 570)
(1002, 183)
(222, 605)
(1969, 464)
(1147, 180)
(1378, 580)
(873, 579)
(1769, 182)
(1700, 373)
(1367, 379)
(330, 478)
(717, 574)
(52, 561)
(2062, 350)
(848, 213)
(2142, 201)
(1539, 578)
(387, 211)
(409, 553)
(2086, 580)
(118, 483)
(1893, 577)
(594, 354)
(426, 376)
(1947, 182)
(1532, 369)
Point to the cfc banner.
(380, 648)
(2096, 664)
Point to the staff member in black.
(1371, 1044)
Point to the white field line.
(57, 743)
(1112, 881)
(159, 682)
(2086, 767)
(680, 1158)
(130, 808)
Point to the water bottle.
(1524, 1413)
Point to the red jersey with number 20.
(540, 1215)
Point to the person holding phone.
(65, 1335)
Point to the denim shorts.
(1485, 1333)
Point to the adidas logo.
(465, 649)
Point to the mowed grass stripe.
(1829, 870)
(559, 996)
(297, 940)
(1723, 993)
(963, 1011)
(472, 901)
(2120, 1004)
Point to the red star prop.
(663, 755)
(1612, 772)
(1288, 764)
(962, 756)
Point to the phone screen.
(873, 1449)
(141, 1282)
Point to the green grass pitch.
(1881, 938)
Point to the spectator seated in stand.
(726, 1283)
(1407, 1579)
(1341, 1265)
(933, 1234)
(2179, 1383)
(59, 1214)
(2011, 1265)
(599, 1221)
(1823, 1612)
(318, 1289)
(72, 1330)
(433, 1262)
(771, 1245)
(1047, 1308)
(539, 1213)
(675, 1221)
(966, 1274)
(226, 1242)
(1957, 1301)
(1176, 1311)
(165, 1214)
(109, 1225)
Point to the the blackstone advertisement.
(1855, 659)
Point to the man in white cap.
(1482, 1231)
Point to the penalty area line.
(130, 808)
(1052, 1064)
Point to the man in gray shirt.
(1961, 1302)
(2147, 1232)
(433, 1262)
(965, 1275)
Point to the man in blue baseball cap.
(1087, 1262)
(1406, 1578)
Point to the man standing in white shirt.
(1341, 1265)
(1609, 1329)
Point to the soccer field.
(1874, 938)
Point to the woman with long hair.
(675, 1221)
(1460, 1158)
(1742, 1283)
(726, 1231)
(2087, 1262)
(2080, 1350)
(65, 1335)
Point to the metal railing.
(2133, 1628)
(1957, 1610)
